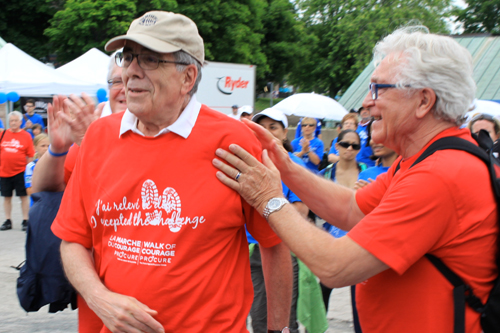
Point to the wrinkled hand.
(258, 182)
(68, 120)
(122, 313)
(362, 183)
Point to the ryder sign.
(223, 85)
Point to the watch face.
(274, 203)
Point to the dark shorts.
(8, 184)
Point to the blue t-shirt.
(366, 151)
(28, 174)
(316, 145)
(35, 119)
(1, 124)
(372, 172)
(289, 195)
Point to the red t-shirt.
(163, 228)
(16, 147)
(443, 206)
(69, 163)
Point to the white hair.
(436, 62)
(17, 114)
(184, 57)
(112, 63)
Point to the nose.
(368, 101)
(133, 69)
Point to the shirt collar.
(182, 126)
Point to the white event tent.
(92, 67)
(27, 76)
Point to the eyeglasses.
(355, 146)
(115, 84)
(308, 125)
(145, 61)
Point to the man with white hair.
(16, 151)
(151, 240)
(444, 205)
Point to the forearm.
(314, 158)
(278, 276)
(334, 203)
(336, 262)
(49, 174)
(332, 158)
(79, 268)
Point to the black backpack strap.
(461, 292)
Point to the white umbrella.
(482, 106)
(312, 105)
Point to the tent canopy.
(27, 76)
(92, 67)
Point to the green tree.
(22, 23)
(480, 16)
(84, 24)
(347, 31)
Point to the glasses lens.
(308, 125)
(346, 145)
(373, 91)
(119, 59)
(147, 61)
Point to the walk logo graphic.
(151, 209)
(12, 146)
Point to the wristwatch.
(284, 330)
(274, 205)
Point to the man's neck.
(151, 127)
(422, 137)
(15, 131)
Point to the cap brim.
(144, 40)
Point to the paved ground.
(14, 319)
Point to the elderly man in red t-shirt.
(419, 92)
(16, 152)
(152, 241)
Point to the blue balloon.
(101, 95)
(13, 96)
(3, 97)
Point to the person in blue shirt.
(1, 124)
(366, 152)
(307, 147)
(384, 158)
(41, 143)
(349, 122)
(317, 132)
(276, 123)
(30, 117)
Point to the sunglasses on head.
(355, 146)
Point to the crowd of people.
(178, 218)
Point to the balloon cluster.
(12, 96)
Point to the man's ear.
(428, 99)
(189, 78)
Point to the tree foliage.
(22, 23)
(346, 32)
(480, 16)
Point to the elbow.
(331, 277)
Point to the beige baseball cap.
(163, 32)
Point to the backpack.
(42, 280)
(462, 293)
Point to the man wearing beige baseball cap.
(152, 241)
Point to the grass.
(264, 103)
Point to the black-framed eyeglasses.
(145, 61)
(355, 146)
(115, 84)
